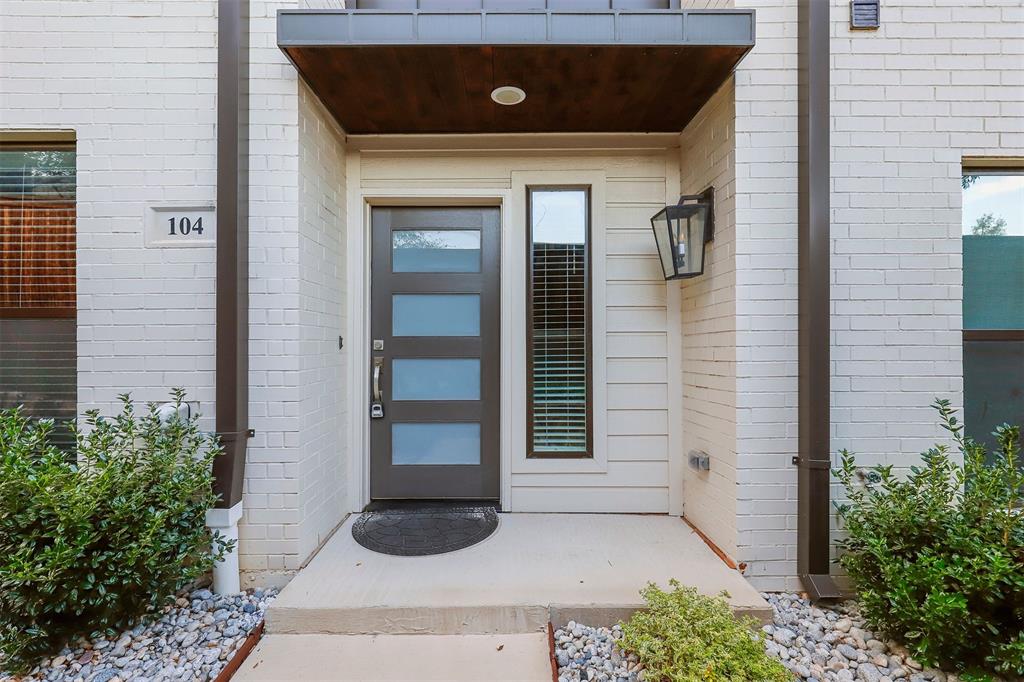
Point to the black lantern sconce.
(681, 232)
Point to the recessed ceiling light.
(508, 95)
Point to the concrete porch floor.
(534, 569)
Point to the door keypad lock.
(377, 406)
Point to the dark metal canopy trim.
(814, 277)
(324, 28)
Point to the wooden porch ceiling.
(422, 72)
(569, 88)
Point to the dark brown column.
(232, 390)
(813, 507)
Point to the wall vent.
(864, 14)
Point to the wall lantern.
(681, 232)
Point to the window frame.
(59, 320)
(973, 339)
(990, 167)
(588, 452)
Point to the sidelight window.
(559, 323)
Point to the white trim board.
(515, 143)
(360, 203)
(516, 269)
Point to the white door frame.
(357, 326)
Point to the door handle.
(377, 363)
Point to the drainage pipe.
(232, 349)
(814, 278)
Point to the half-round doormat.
(420, 532)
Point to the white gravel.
(587, 653)
(835, 644)
(192, 639)
(816, 644)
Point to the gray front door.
(435, 361)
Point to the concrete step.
(534, 569)
(394, 658)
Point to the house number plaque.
(172, 226)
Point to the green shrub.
(937, 557)
(684, 636)
(91, 545)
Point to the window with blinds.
(37, 281)
(558, 310)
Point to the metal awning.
(433, 71)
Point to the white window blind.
(559, 362)
(37, 230)
(38, 333)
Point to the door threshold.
(427, 505)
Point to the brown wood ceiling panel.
(446, 88)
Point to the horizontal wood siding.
(636, 478)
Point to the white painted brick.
(908, 102)
(79, 65)
(708, 304)
(940, 79)
(137, 82)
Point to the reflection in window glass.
(993, 204)
(993, 301)
(436, 250)
(37, 283)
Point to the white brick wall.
(137, 83)
(322, 288)
(766, 298)
(269, 530)
(293, 494)
(707, 158)
(938, 81)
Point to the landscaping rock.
(587, 653)
(837, 645)
(191, 639)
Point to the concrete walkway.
(534, 568)
(398, 658)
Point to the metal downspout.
(814, 272)
(232, 346)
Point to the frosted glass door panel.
(435, 315)
(435, 443)
(435, 251)
(436, 378)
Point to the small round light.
(508, 95)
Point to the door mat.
(423, 531)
